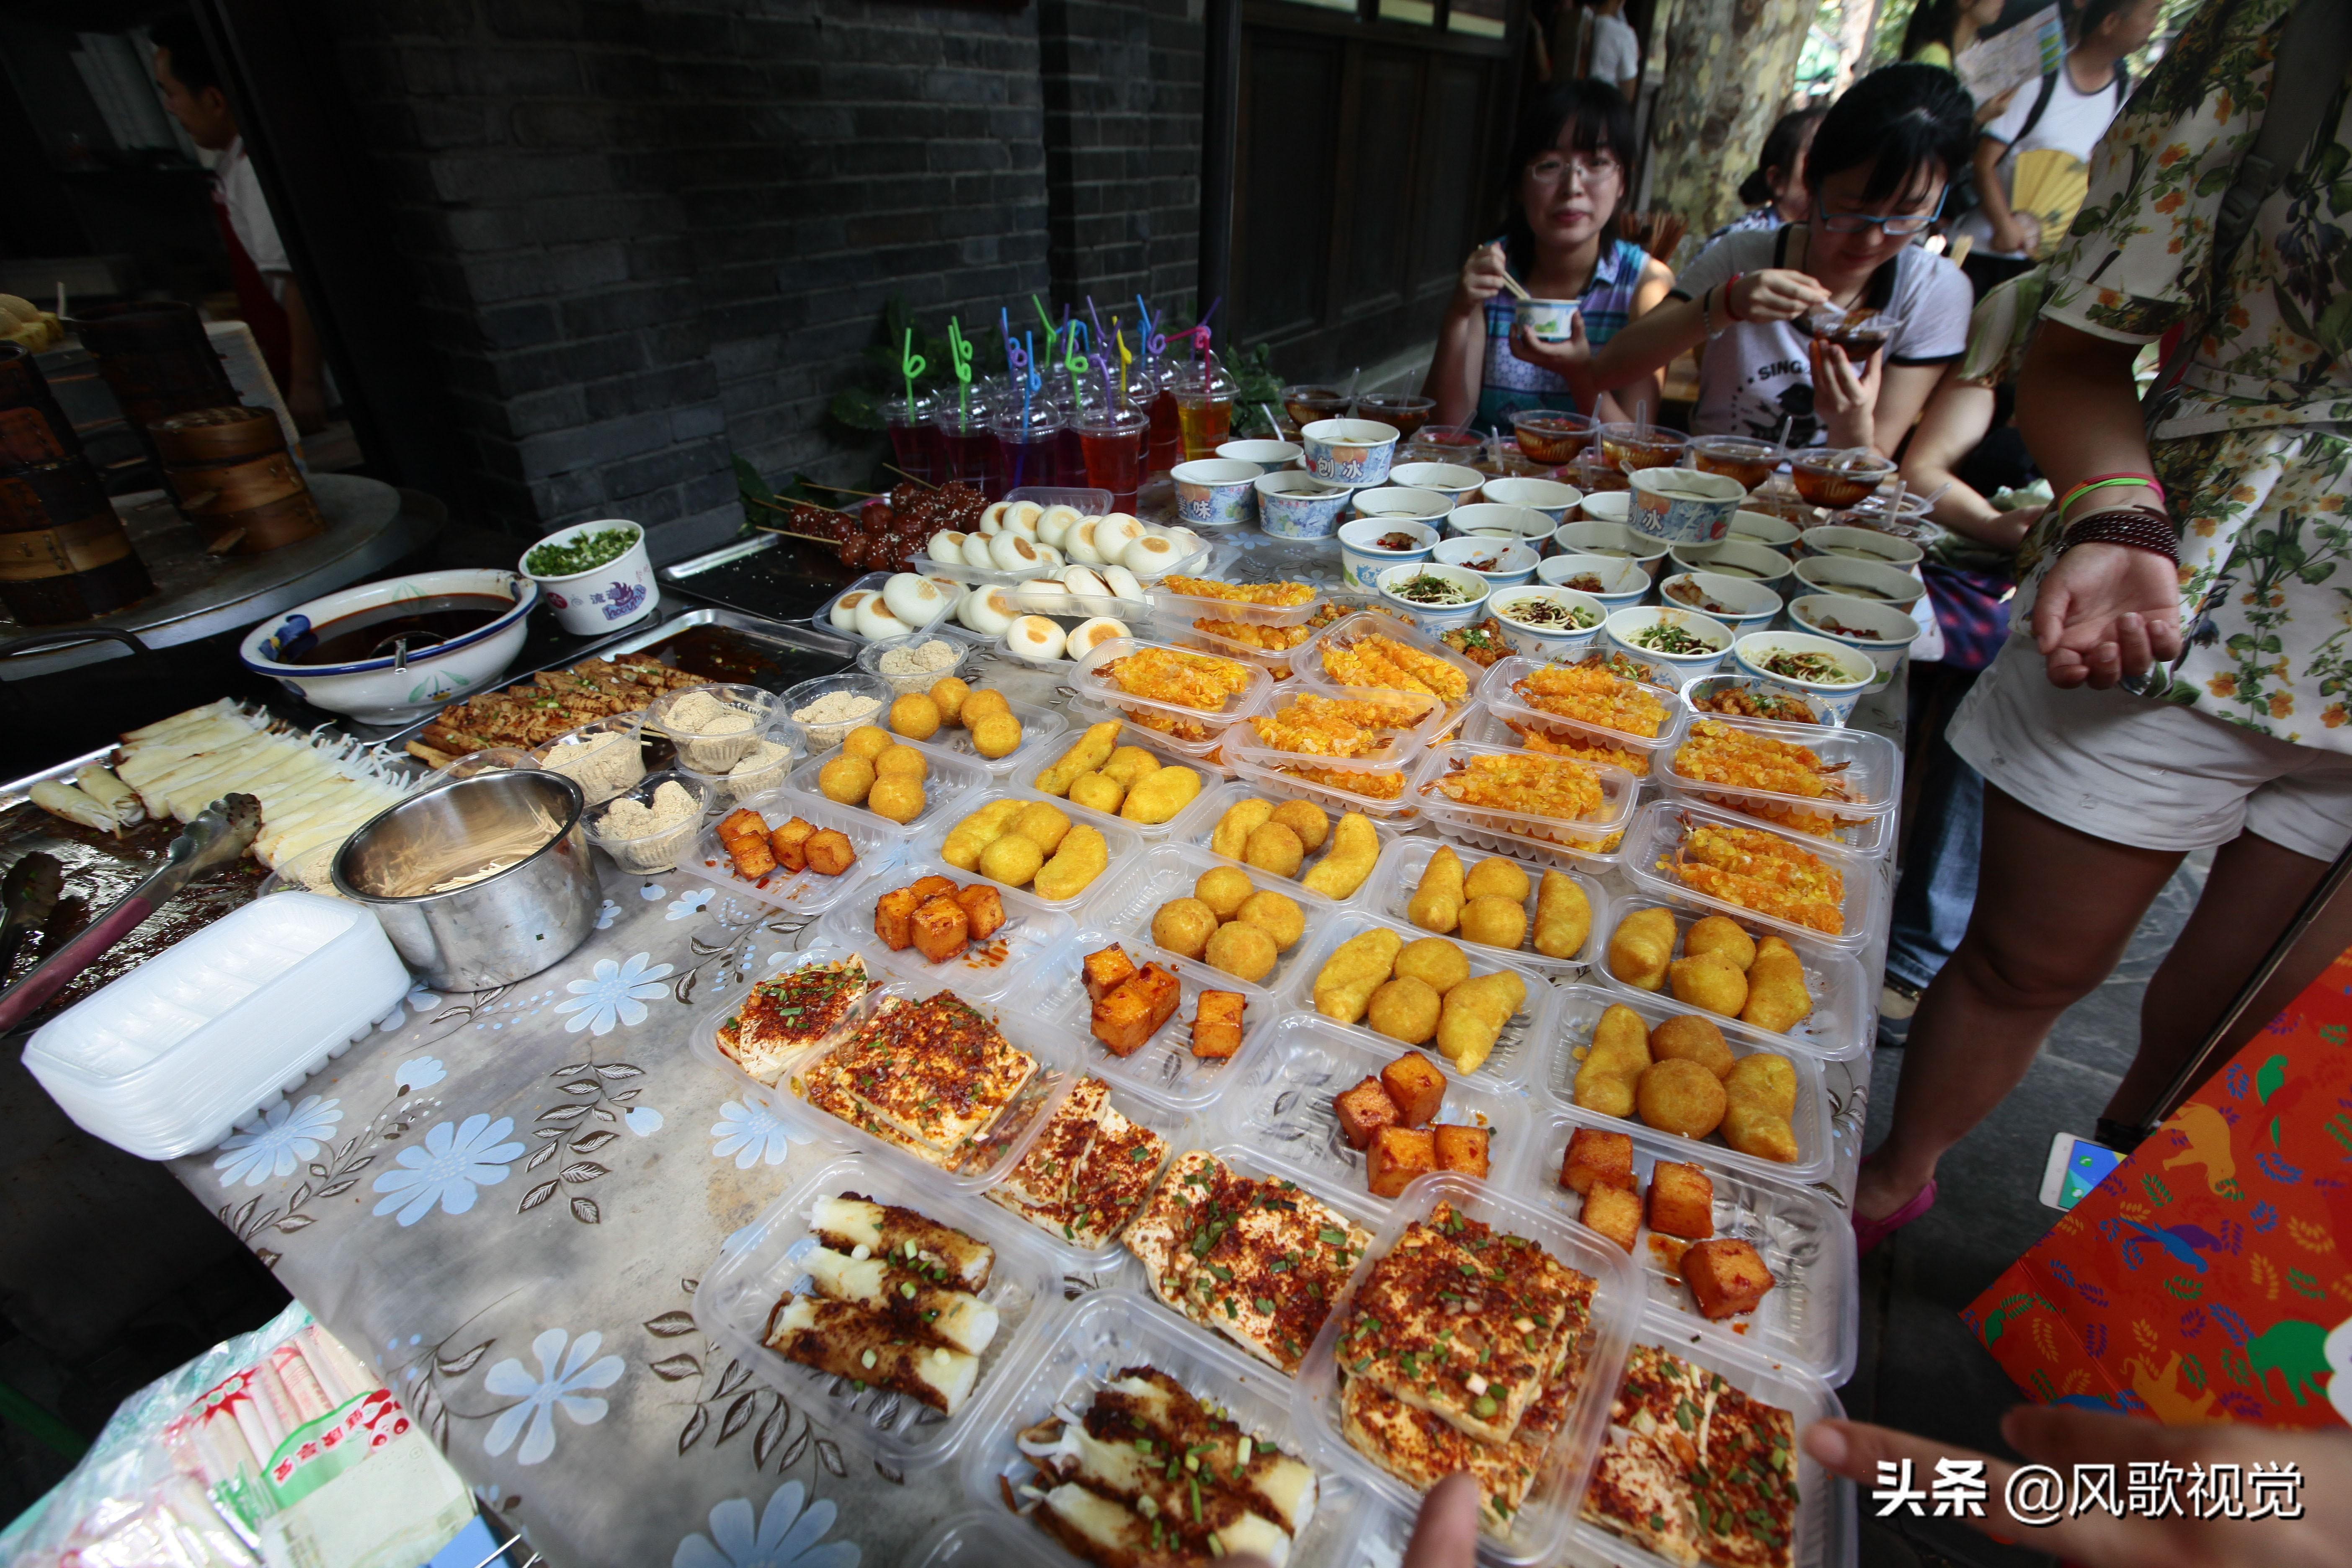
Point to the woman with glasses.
(1560, 240)
(1877, 172)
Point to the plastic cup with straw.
(913, 440)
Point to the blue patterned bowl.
(1292, 504)
(1350, 451)
(1214, 493)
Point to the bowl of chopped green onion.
(1806, 666)
(596, 576)
(1679, 645)
(1434, 596)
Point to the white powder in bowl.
(834, 715)
(603, 765)
(923, 659)
(648, 835)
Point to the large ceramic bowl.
(394, 689)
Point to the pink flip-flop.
(1868, 1233)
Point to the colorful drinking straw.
(960, 352)
(1126, 356)
(910, 364)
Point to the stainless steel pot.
(420, 866)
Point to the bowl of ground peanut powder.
(830, 706)
(918, 661)
(648, 827)
(711, 726)
(603, 757)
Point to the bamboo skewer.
(905, 475)
(840, 489)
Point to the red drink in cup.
(1026, 449)
(965, 445)
(1165, 446)
(1113, 443)
(914, 438)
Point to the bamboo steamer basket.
(233, 479)
(65, 555)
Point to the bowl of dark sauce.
(390, 651)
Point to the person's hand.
(2019, 232)
(2062, 1437)
(2008, 529)
(2108, 611)
(1845, 398)
(1444, 1536)
(1775, 294)
(1569, 358)
(1992, 109)
(1482, 278)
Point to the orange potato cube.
(894, 918)
(1682, 1201)
(1461, 1149)
(1614, 1213)
(1597, 1159)
(789, 844)
(942, 929)
(932, 887)
(830, 852)
(1417, 1085)
(1727, 1277)
(1364, 1111)
(1107, 970)
(1217, 1023)
(752, 857)
(742, 820)
(1398, 1155)
(982, 908)
(1129, 1016)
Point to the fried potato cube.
(1720, 935)
(1398, 1155)
(740, 821)
(1640, 946)
(1614, 1213)
(752, 857)
(1710, 981)
(1217, 1023)
(1681, 1096)
(789, 844)
(1682, 1201)
(1461, 1149)
(830, 852)
(1405, 1009)
(982, 907)
(931, 887)
(894, 918)
(1364, 1111)
(1777, 997)
(942, 930)
(1692, 1038)
(1107, 970)
(1595, 1158)
(1726, 1277)
(1496, 878)
(1416, 1086)
(1129, 1016)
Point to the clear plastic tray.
(1275, 662)
(816, 739)
(1810, 1318)
(1096, 1338)
(1658, 831)
(1084, 501)
(1579, 1012)
(1041, 732)
(1285, 1105)
(953, 775)
(1593, 841)
(1827, 1534)
(1198, 825)
(1206, 756)
(704, 1039)
(1641, 754)
(1119, 840)
(1542, 1525)
(1871, 771)
(988, 1537)
(1147, 712)
(997, 1148)
(1133, 894)
(1031, 932)
(878, 845)
(1405, 860)
(1175, 1126)
(1309, 660)
(1186, 608)
(1164, 1065)
(1515, 1060)
(872, 583)
(1275, 779)
(1844, 1019)
(1158, 745)
(1705, 688)
(740, 1291)
(1400, 743)
(966, 645)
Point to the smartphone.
(2076, 1165)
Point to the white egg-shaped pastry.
(1023, 517)
(918, 601)
(1034, 638)
(989, 611)
(1122, 584)
(1115, 533)
(1038, 594)
(1009, 551)
(1187, 542)
(876, 621)
(845, 609)
(1054, 525)
(1048, 554)
(947, 547)
(952, 587)
(991, 517)
(1151, 555)
(1080, 544)
(1084, 580)
(1087, 635)
(975, 549)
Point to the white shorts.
(2147, 773)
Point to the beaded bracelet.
(2106, 481)
(1728, 285)
(2136, 527)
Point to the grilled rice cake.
(847, 1340)
(791, 1012)
(937, 1074)
(1695, 1469)
(852, 1220)
(1259, 1261)
(1146, 1474)
(1466, 1322)
(1087, 1173)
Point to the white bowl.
(389, 690)
(1514, 563)
(1266, 455)
(1861, 579)
(1452, 481)
(603, 598)
(1499, 522)
(1836, 542)
(1625, 625)
(1736, 558)
(1840, 695)
(1549, 497)
(1434, 617)
(1592, 538)
(1881, 632)
(1548, 642)
(1361, 562)
(1763, 528)
(1608, 506)
(1401, 501)
(1623, 581)
(1739, 603)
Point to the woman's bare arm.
(1641, 391)
(1956, 419)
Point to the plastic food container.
(1371, 798)
(1870, 767)
(719, 740)
(1543, 1524)
(1844, 1019)
(1126, 901)
(967, 651)
(1660, 827)
(741, 1288)
(1405, 861)
(1697, 694)
(165, 1060)
(1596, 839)
(1176, 720)
(1638, 754)
(1119, 840)
(817, 737)
(1511, 1065)
(1198, 826)
(704, 1039)
(1168, 604)
(1275, 662)
(1170, 756)
(1163, 1066)
(1205, 757)
(1810, 1318)
(749, 776)
(1350, 629)
(988, 1538)
(602, 768)
(1579, 1012)
(1032, 931)
(871, 582)
(656, 851)
(803, 892)
(951, 777)
(1043, 737)
(1413, 718)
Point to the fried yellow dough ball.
(1689, 1037)
(1614, 1064)
(1012, 860)
(1043, 824)
(948, 693)
(903, 762)
(1720, 935)
(1640, 946)
(1681, 1096)
(1436, 903)
(995, 735)
(1224, 888)
(1307, 819)
(984, 702)
(866, 742)
(1436, 962)
(1277, 914)
(1498, 878)
(1710, 981)
(975, 833)
(1183, 926)
(1563, 916)
(1098, 792)
(914, 716)
(1357, 967)
(1404, 1009)
(1274, 848)
(1760, 1094)
(846, 780)
(898, 797)
(1492, 921)
(1355, 850)
(1241, 819)
(1242, 950)
(1777, 997)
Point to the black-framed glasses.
(1901, 226)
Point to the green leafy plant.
(865, 407)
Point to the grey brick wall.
(645, 233)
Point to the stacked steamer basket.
(64, 554)
(233, 479)
(157, 360)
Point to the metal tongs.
(215, 837)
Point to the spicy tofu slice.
(1364, 1111)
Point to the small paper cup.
(603, 598)
(1624, 629)
(1268, 455)
(1402, 503)
(1548, 319)
(1434, 617)
(1750, 653)
(1881, 633)
(1514, 563)
(1361, 560)
(1683, 506)
(1622, 582)
(1350, 451)
(1214, 493)
(1295, 505)
(1608, 506)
